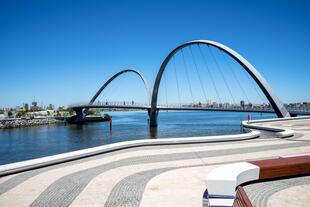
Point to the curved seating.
(223, 181)
(283, 167)
(280, 131)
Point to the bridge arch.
(277, 105)
(118, 74)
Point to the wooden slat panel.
(282, 167)
(242, 200)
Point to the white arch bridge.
(153, 107)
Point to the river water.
(33, 142)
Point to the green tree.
(10, 114)
(20, 114)
(61, 108)
(71, 112)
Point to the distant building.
(242, 104)
(250, 105)
(214, 104)
(35, 106)
(26, 107)
(209, 103)
(226, 105)
(50, 107)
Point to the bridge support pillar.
(153, 118)
(79, 115)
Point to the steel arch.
(277, 105)
(115, 76)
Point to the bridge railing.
(298, 109)
(237, 108)
(108, 103)
(177, 106)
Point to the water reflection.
(153, 133)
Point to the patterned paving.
(143, 175)
(259, 193)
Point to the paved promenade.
(284, 192)
(167, 175)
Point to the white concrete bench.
(222, 182)
(280, 131)
(286, 133)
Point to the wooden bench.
(223, 181)
(283, 167)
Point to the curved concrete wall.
(280, 131)
(50, 160)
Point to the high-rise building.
(242, 104)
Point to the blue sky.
(60, 52)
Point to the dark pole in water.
(65, 120)
(110, 121)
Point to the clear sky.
(60, 52)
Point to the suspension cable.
(111, 92)
(221, 72)
(187, 76)
(165, 79)
(176, 77)
(199, 76)
(235, 76)
(210, 74)
(251, 81)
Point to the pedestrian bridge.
(185, 107)
(153, 107)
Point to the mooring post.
(110, 122)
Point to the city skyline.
(62, 53)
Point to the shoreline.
(178, 166)
(23, 123)
(21, 166)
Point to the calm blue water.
(33, 142)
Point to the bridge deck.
(171, 175)
(169, 108)
(184, 108)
